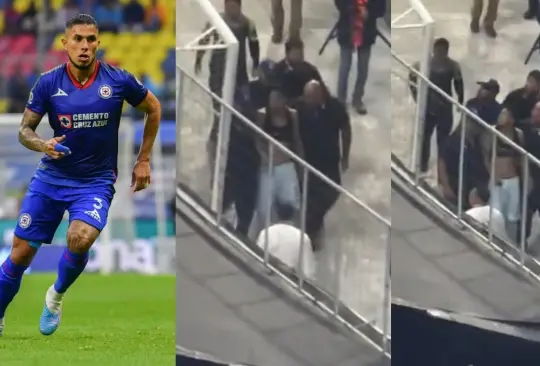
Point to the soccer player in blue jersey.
(83, 100)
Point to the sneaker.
(360, 108)
(52, 312)
(490, 31)
(529, 14)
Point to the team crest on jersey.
(105, 91)
(65, 120)
(25, 220)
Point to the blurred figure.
(293, 72)
(489, 18)
(475, 173)
(241, 175)
(532, 10)
(356, 33)
(155, 16)
(11, 19)
(285, 242)
(531, 134)
(18, 91)
(87, 6)
(326, 135)
(245, 31)
(28, 20)
(444, 73)
(484, 104)
(133, 15)
(521, 101)
(483, 213)
(64, 13)
(278, 20)
(506, 195)
(278, 184)
(259, 89)
(109, 16)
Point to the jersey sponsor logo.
(25, 220)
(105, 91)
(84, 120)
(59, 93)
(65, 120)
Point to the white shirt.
(481, 214)
(284, 244)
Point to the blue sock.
(71, 265)
(10, 282)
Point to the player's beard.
(82, 67)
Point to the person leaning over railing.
(506, 193)
(521, 101)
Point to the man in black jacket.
(521, 101)
(326, 135)
(356, 32)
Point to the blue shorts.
(44, 206)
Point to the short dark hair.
(294, 44)
(442, 43)
(483, 193)
(535, 74)
(285, 212)
(81, 19)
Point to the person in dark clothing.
(326, 135)
(521, 101)
(241, 174)
(485, 104)
(444, 73)
(245, 31)
(293, 72)
(356, 32)
(259, 89)
(532, 10)
(133, 15)
(531, 135)
(475, 173)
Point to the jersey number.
(99, 203)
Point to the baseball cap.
(491, 85)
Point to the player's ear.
(64, 43)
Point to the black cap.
(491, 85)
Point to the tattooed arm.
(27, 131)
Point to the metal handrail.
(289, 152)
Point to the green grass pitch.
(117, 320)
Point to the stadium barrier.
(196, 160)
(406, 154)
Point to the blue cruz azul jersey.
(89, 116)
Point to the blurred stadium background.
(135, 35)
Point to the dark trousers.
(442, 121)
(321, 197)
(533, 6)
(533, 206)
(241, 191)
